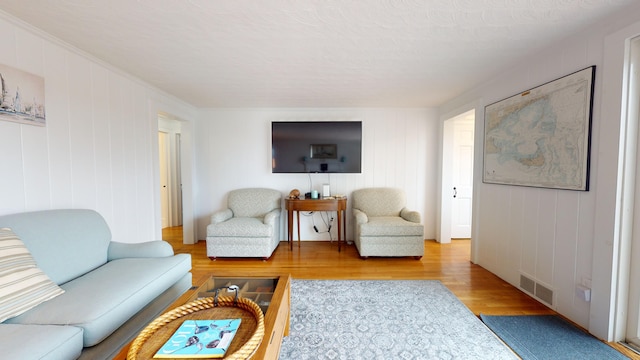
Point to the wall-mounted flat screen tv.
(316, 146)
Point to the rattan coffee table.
(270, 295)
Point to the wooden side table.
(297, 205)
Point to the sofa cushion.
(22, 284)
(40, 341)
(240, 227)
(390, 226)
(102, 300)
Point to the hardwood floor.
(480, 290)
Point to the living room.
(98, 151)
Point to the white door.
(462, 168)
(177, 216)
(456, 177)
(180, 209)
(163, 150)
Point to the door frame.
(172, 130)
(443, 232)
(444, 177)
(630, 218)
(609, 312)
(186, 117)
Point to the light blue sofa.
(112, 289)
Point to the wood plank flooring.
(480, 290)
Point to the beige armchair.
(248, 227)
(384, 226)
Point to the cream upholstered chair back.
(255, 202)
(379, 201)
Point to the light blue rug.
(378, 319)
(548, 337)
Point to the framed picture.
(542, 137)
(324, 151)
(21, 96)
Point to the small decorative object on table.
(200, 339)
(294, 194)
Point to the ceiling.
(311, 53)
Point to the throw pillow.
(22, 284)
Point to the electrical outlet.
(584, 293)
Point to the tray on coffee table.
(243, 346)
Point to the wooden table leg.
(340, 212)
(298, 214)
(344, 226)
(290, 228)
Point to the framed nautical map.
(21, 96)
(542, 137)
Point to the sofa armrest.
(411, 216)
(271, 217)
(221, 215)
(361, 217)
(118, 250)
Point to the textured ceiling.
(311, 53)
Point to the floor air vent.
(544, 294)
(541, 292)
(527, 284)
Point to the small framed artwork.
(324, 151)
(21, 96)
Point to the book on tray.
(200, 339)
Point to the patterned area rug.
(379, 319)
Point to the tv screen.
(316, 146)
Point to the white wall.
(98, 149)
(233, 150)
(559, 238)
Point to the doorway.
(457, 177)
(169, 150)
